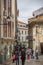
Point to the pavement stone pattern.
(28, 62)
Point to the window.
(4, 28)
(4, 4)
(24, 26)
(18, 38)
(22, 38)
(25, 32)
(4, 13)
(19, 32)
(22, 32)
(9, 7)
(9, 29)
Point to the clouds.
(26, 8)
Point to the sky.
(27, 7)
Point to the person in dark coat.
(17, 56)
(23, 56)
(32, 53)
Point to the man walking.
(23, 56)
(32, 53)
(17, 56)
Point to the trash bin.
(1, 58)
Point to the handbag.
(14, 56)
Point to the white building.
(22, 33)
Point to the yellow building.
(8, 9)
(35, 28)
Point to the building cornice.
(37, 18)
(23, 28)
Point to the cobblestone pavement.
(28, 62)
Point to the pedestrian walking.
(17, 56)
(13, 56)
(23, 56)
(36, 53)
(32, 53)
(28, 53)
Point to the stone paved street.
(28, 62)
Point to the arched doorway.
(41, 45)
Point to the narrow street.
(21, 32)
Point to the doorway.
(41, 45)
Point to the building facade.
(22, 33)
(35, 37)
(8, 9)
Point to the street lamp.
(8, 20)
